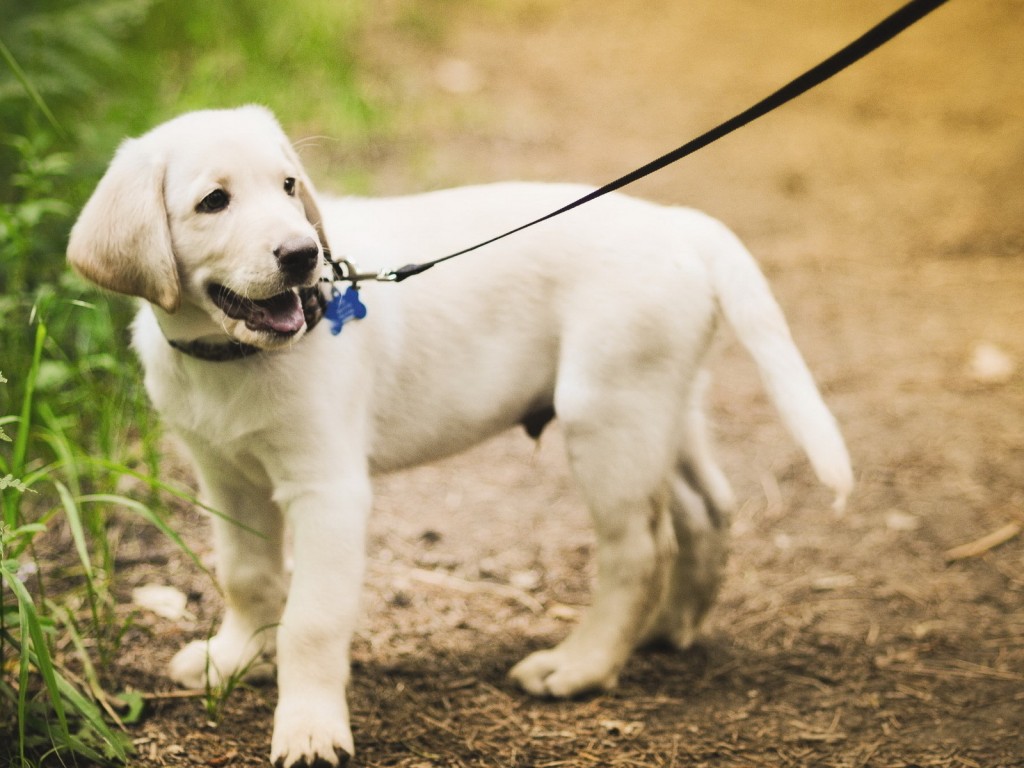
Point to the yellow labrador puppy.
(602, 316)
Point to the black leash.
(871, 40)
(343, 306)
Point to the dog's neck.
(191, 331)
(214, 351)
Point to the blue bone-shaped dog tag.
(344, 307)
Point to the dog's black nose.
(298, 256)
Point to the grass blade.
(29, 621)
(153, 518)
(74, 518)
(20, 447)
(92, 679)
(30, 89)
(178, 493)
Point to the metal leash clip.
(344, 271)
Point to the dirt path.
(888, 210)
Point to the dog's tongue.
(281, 314)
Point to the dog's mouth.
(281, 314)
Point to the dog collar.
(313, 305)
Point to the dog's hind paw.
(558, 673)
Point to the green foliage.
(10, 481)
(75, 77)
(33, 188)
(57, 52)
(40, 703)
(65, 47)
(50, 708)
(57, 55)
(296, 58)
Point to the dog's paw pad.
(311, 734)
(341, 759)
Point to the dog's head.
(212, 210)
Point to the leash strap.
(871, 40)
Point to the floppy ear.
(307, 194)
(121, 240)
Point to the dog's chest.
(222, 407)
(227, 405)
(223, 401)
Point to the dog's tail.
(747, 303)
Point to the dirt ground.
(887, 209)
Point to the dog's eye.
(215, 201)
(289, 186)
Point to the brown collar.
(313, 304)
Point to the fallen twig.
(961, 669)
(980, 546)
(185, 693)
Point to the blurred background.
(887, 208)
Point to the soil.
(887, 208)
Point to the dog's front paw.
(310, 737)
(560, 673)
(202, 664)
(189, 665)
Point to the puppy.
(602, 316)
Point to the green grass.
(76, 76)
(51, 713)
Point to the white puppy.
(602, 316)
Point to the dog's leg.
(250, 568)
(621, 458)
(701, 534)
(311, 724)
(701, 504)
